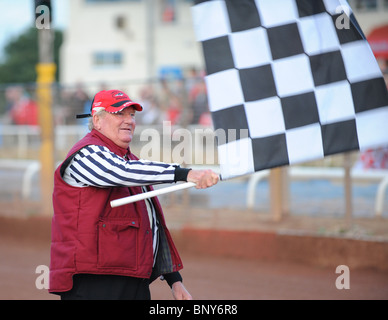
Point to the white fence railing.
(23, 134)
(69, 134)
(32, 167)
(332, 174)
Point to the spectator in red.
(23, 110)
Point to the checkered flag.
(295, 79)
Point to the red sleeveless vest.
(89, 236)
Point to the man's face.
(118, 127)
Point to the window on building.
(168, 11)
(365, 4)
(107, 59)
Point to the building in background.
(370, 14)
(128, 41)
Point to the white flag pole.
(150, 194)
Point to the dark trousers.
(107, 287)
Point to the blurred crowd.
(20, 107)
(373, 159)
(182, 101)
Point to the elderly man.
(100, 252)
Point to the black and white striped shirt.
(97, 166)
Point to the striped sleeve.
(99, 167)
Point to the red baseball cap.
(111, 101)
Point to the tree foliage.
(22, 56)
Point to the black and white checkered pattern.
(298, 87)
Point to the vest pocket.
(117, 244)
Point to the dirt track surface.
(207, 278)
(208, 274)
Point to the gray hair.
(100, 113)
